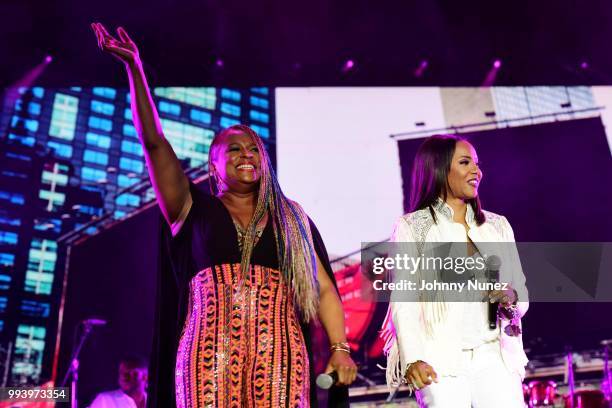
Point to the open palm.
(123, 49)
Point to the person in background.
(132, 391)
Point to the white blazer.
(404, 332)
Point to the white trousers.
(482, 382)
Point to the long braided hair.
(295, 247)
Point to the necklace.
(242, 233)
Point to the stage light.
(584, 65)
(219, 63)
(421, 69)
(26, 81)
(490, 77)
(348, 65)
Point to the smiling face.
(236, 162)
(464, 175)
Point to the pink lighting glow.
(348, 65)
(421, 68)
(489, 79)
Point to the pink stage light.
(219, 63)
(421, 69)
(489, 79)
(348, 65)
(26, 81)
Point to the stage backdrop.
(552, 182)
(111, 276)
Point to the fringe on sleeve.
(394, 370)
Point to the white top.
(476, 330)
(475, 326)
(113, 399)
(407, 339)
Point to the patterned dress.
(240, 345)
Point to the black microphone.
(325, 381)
(493, 265)
(94, 322)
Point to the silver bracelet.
(404, 380)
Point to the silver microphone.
(325, 381)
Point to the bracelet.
(411, 386)
(404, 380)
(340, 346)
(410, 365)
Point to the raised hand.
(124, 49)
(170, 183)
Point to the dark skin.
(236, 164)
(236, 167)
(239, 185)
(463, 180)
(133, 382)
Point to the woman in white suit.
(445, 350)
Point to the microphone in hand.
(493, 265)
(327, 380)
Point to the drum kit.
(540, 393)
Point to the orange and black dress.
(234, 345)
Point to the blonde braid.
(295, 247)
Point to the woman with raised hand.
(250, 272)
